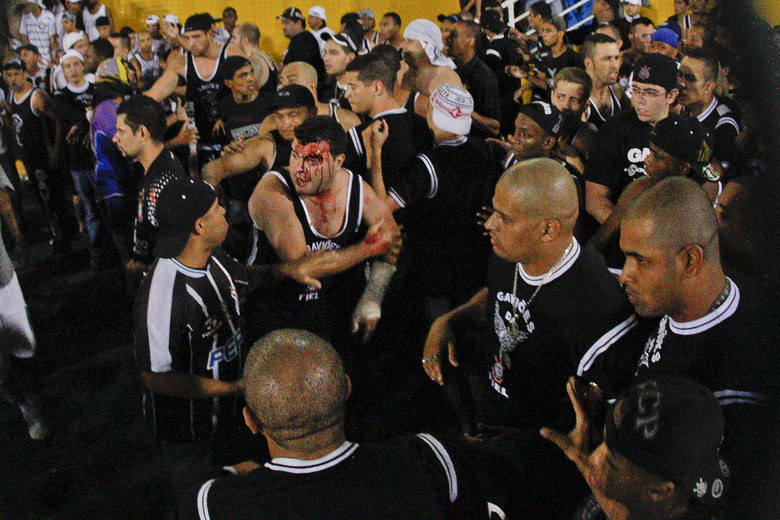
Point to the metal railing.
(509, 5)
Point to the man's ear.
(692, 257)
(251, 421)
(339, 160)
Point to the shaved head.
(544, 189)
(295, 385)
(299, 73)
(680, 213)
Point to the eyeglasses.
(647, 93)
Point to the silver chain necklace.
(513, 327)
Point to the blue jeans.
(84, 182)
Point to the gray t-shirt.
(6, 266)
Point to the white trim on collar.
(709, 320)
(400, 110)
(565, 265)
(289, 465)
(454, 142)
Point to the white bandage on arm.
(370, 304)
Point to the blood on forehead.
(313, 150)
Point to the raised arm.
(166, 84)
(255, 152)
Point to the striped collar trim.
(708, 321)
(707, 111)
(565, 265)
(189, 271)
(299, 466)
(454, 142)
(400, 110)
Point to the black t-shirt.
(618, 154)
(722, 122)
(413, 477)
(71, 105)
(441, 192)
(304, 47)
(189, 321)
(733, 351)
(163, 170)
(408, 136)
(243, 119)
(500, 52)
(579, 322)
(482, 84)
(544, 61)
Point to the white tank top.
(89, 21)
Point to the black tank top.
(28, 133)
(326, 311)
(282, 153)
(205, 93)
(596, 117)
(273, 77)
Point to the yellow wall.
(264, 12)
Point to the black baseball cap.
(454, 18)
(292, 13)
(181, 203)
(199, 22)
(342, 39)
(101, 21)
(231, 64)
(656, 69)
(292, 96)
(673, 428)
(546, 115)
(491, 20)
(682, 137)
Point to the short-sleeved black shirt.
(163, 170)
(189, 320)
(618, 154)
(579, 322)
(482, 84)
(304, 47)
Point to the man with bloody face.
(320, 205)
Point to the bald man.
(296, 391)
(556, 309)
(710, 329)
(301, 73)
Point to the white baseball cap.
(317, 11)
(452, 108)
(152, 19)
(170, 18)
(70, 39)
(633, 2)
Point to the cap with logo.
(546, 115)
(367, 13)
(656, 69)
(318, 12)
(673, 428)
(292, 96)
(452, 109)
(291, 13)
(181, 203)
(687, 140)
(342, 39)
(666, 36)
(69, 15)
(152, 19)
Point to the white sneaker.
(35, 426)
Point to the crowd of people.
(561, 229)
